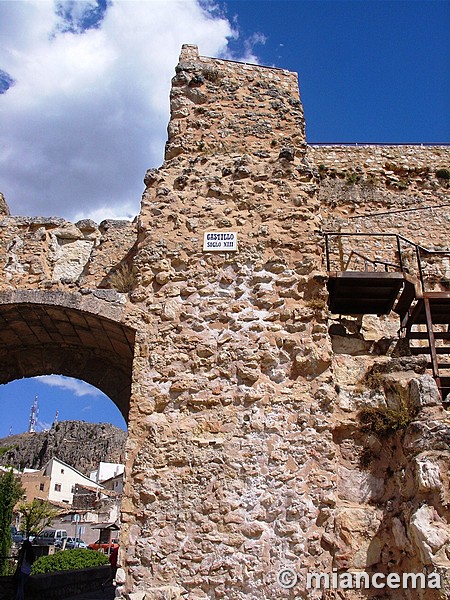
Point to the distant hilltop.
(79, 444)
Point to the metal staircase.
(427, 323)
(380, 273)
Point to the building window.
(57, 487)
(41, 487)
(62, 471)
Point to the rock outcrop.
(79, 444)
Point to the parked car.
(50, 537)
(75, 542)
(17, 536)
(104, 546)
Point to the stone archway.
(72, 334)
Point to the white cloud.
(43, 426)
(88, 112)
(76, 387)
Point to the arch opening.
(45, 339)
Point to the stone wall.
(51, 253)
(385, 188)
(250, 445)
(225, 107)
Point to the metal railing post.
(399, 250)
(419, 265)
(327, 252)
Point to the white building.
(63, 478)
(106, 470)
(114, 484)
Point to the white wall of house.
(62, 479)
(114, 484)
(106, 470)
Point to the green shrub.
(316, 303)
(352, 178)
(322, 171)
(5, 449)
(79, 558)
(402, 184)
(211, 74)
(371, 179)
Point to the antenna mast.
(34, 416)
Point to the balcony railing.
(390, 252)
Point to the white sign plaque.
(220, 241)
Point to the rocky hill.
(81, 445)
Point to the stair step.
(426, 350)
(423, 335)
(444, 388)
(353, 292)
(440, 366)
(440, 314)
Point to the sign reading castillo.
(221, 241)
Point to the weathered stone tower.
(250, 444)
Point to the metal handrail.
(399, 238)
(370, 260)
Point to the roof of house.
(92, 483)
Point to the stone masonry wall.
(250, 445)
(235, 397)
(254, 456)
(51, 253)
(385, 188)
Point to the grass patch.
(212, 75)
(316, 304)
(352, 178)
(385, 421)
(443, 174)
(124, 279)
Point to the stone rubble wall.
(51, 253)
(392, 513)
(386, 189)
(234, 401)
(225, 106)
(250, 445)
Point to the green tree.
(10, 492)
(36, 515)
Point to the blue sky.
(368, 71)
(73, 399)
(84, 105)
(84, 108)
